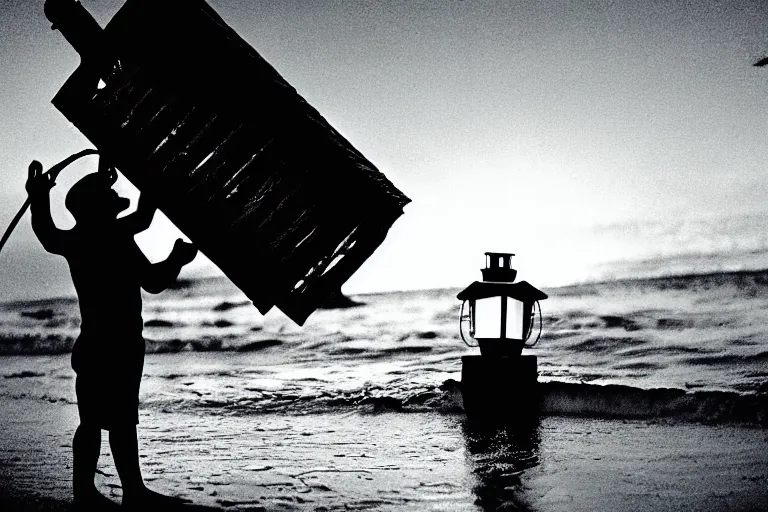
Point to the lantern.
(501, 313)
(500, 384)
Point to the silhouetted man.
(107, 268)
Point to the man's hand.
(183, 252)
(37, 182)
(159, 276)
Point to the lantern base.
(500, 388)
(501, 348)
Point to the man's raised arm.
(39, 187)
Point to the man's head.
(92, 199)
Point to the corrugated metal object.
(281, 202)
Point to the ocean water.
(690, 346)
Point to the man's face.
(108, 204)
(116, 203)
(121, 203)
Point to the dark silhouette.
(338, 300)
(108, 270)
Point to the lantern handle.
(461, 326)
(538, 336)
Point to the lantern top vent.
(498, 267)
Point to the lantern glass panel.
(488, 318)
(514, 319)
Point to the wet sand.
(347, 460)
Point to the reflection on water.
(498, 455)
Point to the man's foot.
(94, 500)
(151, 500)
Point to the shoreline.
(675, 278)
(396, 461)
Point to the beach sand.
(386, 460)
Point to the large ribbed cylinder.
(77, 25)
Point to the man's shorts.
(108, 372)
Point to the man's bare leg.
(125, 451)
(86, 447)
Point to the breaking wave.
(549, 399)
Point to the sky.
(513, 126)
